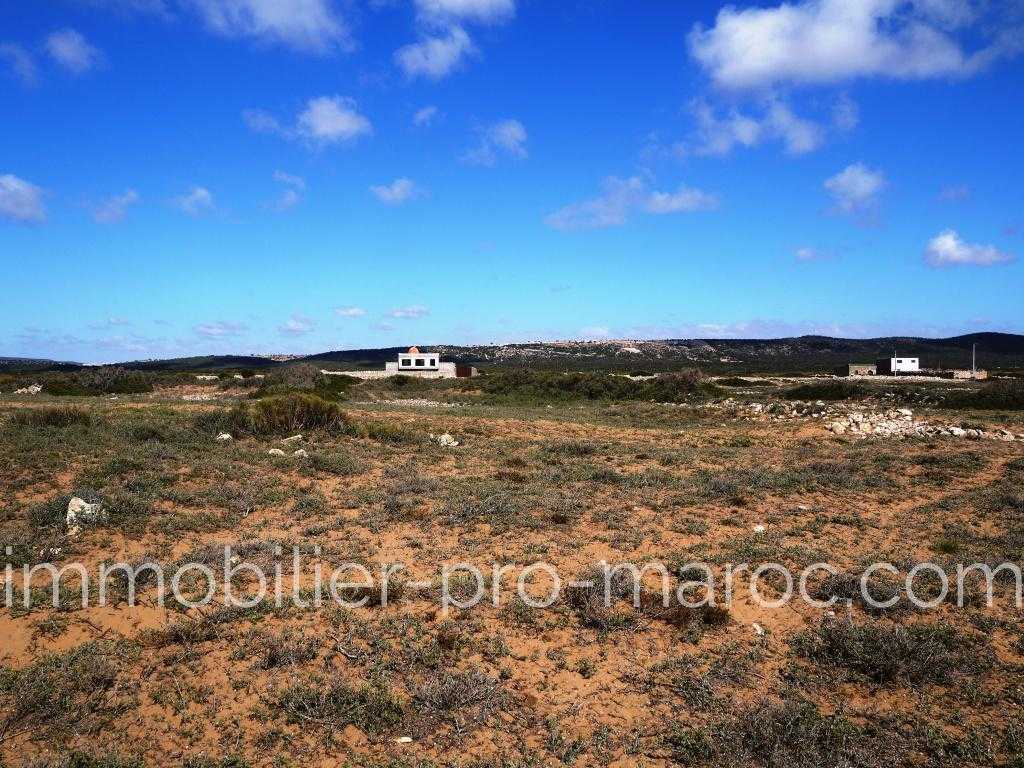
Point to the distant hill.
(797, 354)
(996, 351)
(28, 364)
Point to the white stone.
(300, 453)
(224, 437)
(292, 439)
(81, 511)
(759, 529)
(275, 452)
(31, 389)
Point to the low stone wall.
(388, 374)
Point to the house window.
(433, 361)
(407, 362)
(419, 362)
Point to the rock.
(957, 432)
(292, 439)
(224, 437)
(31, 389)
(301, 453)
(275, 452)
(79, 512)
(758, 629)
(759, 529)
(445, 440)
(408, 739)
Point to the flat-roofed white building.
(892, 365)
(427, 365)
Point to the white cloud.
(296, 325)
(948, 249)
(799, 135)
(198, 201)
(717, 136)
(830, 41)
(20, 62)
(72, 51)
(115, 208)
(307, 25)
(425, 116)
(331, 120)
(845, 113)
(503, 137)
(220, 329)
(621, 198)
(435, 57)
(395, 193)
(807, 253)
(414, 312)
(349, 312)
(21, 201)
(683, 200)
(482, 11)
(325, 120)
(291, 195)
(855, 189)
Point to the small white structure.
(427, 365)
(424, 365)
(893, 365)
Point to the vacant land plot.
(409, 680)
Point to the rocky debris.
(900, 422)
(759, 529)
(275, 452)
(199, 397)
(31, 389)
(224, 437)
(301, 453)
(206, 377)
(445, 440)
(292, 439)
(81, 512)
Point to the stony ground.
(575, 684)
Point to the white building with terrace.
(424, 365)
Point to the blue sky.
(197, 176)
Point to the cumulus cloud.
(220, 329)
(425, 116)
(831, 41)
(72, 51)
(198, 201)
(306, 25)
(115, 208)
(948, 249)
(349, 312)
(716, 136)
(481, 11)
(395, 193)
(291, 195)
(296, 325)
(855, 189)
(435, 57)
(325, 120)
(621, 198)
(21, 201)
(20, 63)
(414, 312)
(505, 137)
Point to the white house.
(427, 365)
(893, 365)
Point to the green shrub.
(59, 417)
(825, 390)
(995, 396)
(293, 412)
(371, 708)
(918, 653)
(101, 381)
(545, 386)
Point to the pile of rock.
(31, 389)
(900, 422)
